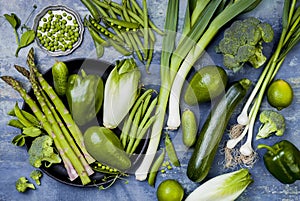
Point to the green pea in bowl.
(59, 30)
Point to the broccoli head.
(41, 150)
(22, 185)
(272, 122)
(243, 42)
(36, 176)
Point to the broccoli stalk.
(272, 123)
(36, 176)
(41, 150)
(22, 185)
(243, 42)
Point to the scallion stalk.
(289, 38)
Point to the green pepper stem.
(263, 146)
(83, 73)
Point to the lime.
(206, 84)
(280, 94)
(170, 190)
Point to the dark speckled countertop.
(14, 160)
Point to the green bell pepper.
(283, 161)
(85, 96)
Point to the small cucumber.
(189, 128)
(213, 130)
(106, 147)
(60, 75)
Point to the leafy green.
(26, 38)
(13, 20)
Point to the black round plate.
(57, 171)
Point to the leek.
(167, 75)
(230, 11)
(120, 92)
(224, 187)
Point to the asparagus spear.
(42, 118)
(63, 111)
(59, 134)
(64, 130)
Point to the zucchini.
(213, 130)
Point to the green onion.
(224, 16)
(289, 38)
(120, 92)
(227, 186)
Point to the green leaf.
(16, 123)
(26, 39)
(18, 140)
(32, 131)
(13, 19)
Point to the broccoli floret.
(22, 185)
(243, 42)
(36, 176)
(272, 123)
(41, 150)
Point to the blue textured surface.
(14, 160)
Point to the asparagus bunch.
(74, 156)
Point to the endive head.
(120, 92)
(227, 186)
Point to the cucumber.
(213, 129)
(189, 128)
(103, 144)
(60, 75)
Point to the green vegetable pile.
(58, 30)
(131, 111)
(56, 124)
(126, 27)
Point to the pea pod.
(106, 147)
(155, 167)
(171, 151)
(121, 23)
